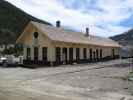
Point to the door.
(94, 55)
(44, 54)
(91, 54)
(77, 54)
(101, 53)
(64, 55)
(28, 56)
(113, 53)
(97, 54)
(36, 53)
(71, 55)
(85, 53)
(58, 55)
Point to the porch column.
(99, 53)
(25, 53)
(81, 53)
(40, 53)
(87, 53)
(51, 55)
(74, 53)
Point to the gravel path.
(99, 81)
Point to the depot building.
(53, 45)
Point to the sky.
(103, 17)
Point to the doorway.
(36, 55)
(44, 54)
(94, 56)
(90, 54)
(77, 55)
(97, 54)
(101, 53)
(58, 55)
(64, 55)
(71, 55)
(113, 53)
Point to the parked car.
(11, 60)
(2, 60)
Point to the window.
(28, 54)
(36, 35)
(85, 53)
(44, 54)
(35, 40)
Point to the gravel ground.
(99, 81)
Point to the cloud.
(102, 16)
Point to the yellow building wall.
(107, 51)
(43, 41)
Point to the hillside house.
(49, 45)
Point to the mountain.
(125, 38)
(13, 21)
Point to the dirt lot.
(100, 81)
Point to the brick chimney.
(87, 31)
(58, 24)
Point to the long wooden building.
(49, 45)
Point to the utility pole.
(132, 58)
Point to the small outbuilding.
(49, 45)
(126, 51)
